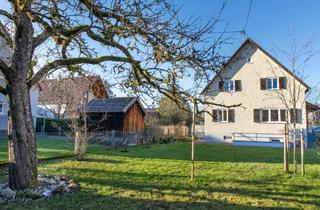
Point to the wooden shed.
(124, 114)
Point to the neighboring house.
(122, 114)
(5, 53)
(61, 98)
(313, 112)
(252, 78)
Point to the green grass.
(46, 148)
(157, 177)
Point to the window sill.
(272, 122)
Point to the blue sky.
(269, 23)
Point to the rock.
(33, 195)
(60, 190)
(47, 193)
(8, 194)
(73, 186)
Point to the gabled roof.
(312, 107)
(113, 105)
(248, 40)
(65, 90)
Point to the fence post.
(113, 133)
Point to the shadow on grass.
(176, 187)
(149, 182)
(89, 200)
(212, 152)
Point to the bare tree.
(292, 93)
(145, 41)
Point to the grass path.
(157, 177)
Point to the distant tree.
(172, 114)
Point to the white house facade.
(5, 53)
(262, 88)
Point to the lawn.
(47, 148)
(157, 177)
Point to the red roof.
(54, 91)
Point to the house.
(254, 79)
(61, 98)
(122, 114)
(313, 114)
(5, 52)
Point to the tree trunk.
(302, 152)
(22, 142)
(286, 149)
(193, 140)
(295, 168)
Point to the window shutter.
(263, 84)
(291, 115)
(256, 115)
(231, 115)
(283, 115)
(221, 84)
(298, 116)
(283, 82)
(237, 84)
(215, 115)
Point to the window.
(274, 115)
(265, 115)
(272, 83)
(283, 115)
(223, 115)
(229, 85)
(1, 107)
(249, 60)
(270, 115)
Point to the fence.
(175, 131)
(117, 139)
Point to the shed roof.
(113, 105)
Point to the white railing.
(256, 137)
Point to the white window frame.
(269, 115)
(230, 83)
(272, 83)
(220, 117)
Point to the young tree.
(292, 94)
(144, 40)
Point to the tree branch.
(4, 68)
(6, 14)
(41, 38)
(61, 63)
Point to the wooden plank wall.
(134, 119)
